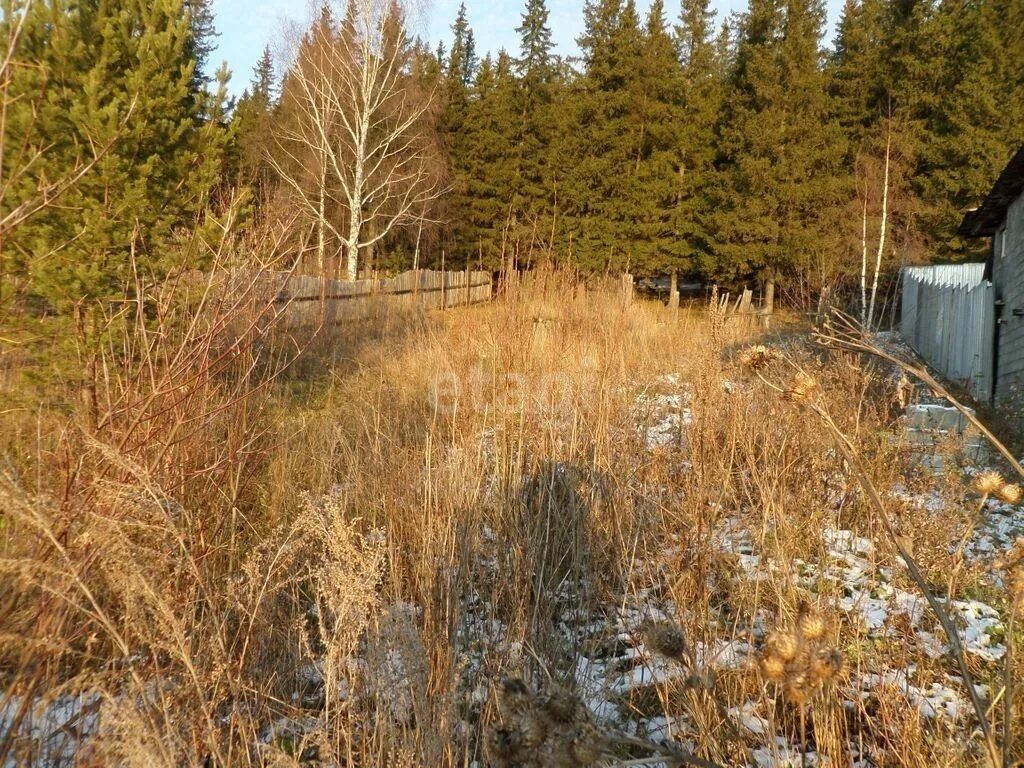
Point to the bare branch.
(358, 129)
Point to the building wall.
(1008, 276)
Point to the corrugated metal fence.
(948, 318)
(309, 301)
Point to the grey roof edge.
(984, 220)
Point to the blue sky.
(245, 26)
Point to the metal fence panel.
(948, 318)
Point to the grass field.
(552, 530)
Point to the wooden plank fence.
(948, 318)
(309, 301)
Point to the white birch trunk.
(352, 246)
(864, 262)
(881, 230)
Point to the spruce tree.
(202, 40)
(619, 191)
(859, 80)
(116, 76)
(781, 148)
(657, 102)
(703, 74)
(251, 123)
(490, 162)
(462, 56)
(455, 132)
(536, 127)
(263, 78)
(974, 117)
(534, 65)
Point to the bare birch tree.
(882, 225)
(356, 141)
(880, 179)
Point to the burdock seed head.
(773, 668)
(1016, 585)
(785, 645)
(826, 665)
(758, 357)
(666, 639)
(503, 743)
(560, 705)
(803, 387)
(533, 725)
(1010, 493)
(514, 696)
(797, 688)
(587, 745)
(987, 483)
(811, 624)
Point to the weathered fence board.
(948, 318)
(310, 301)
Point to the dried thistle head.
(560, 705)
(797, 688)
(773, 668)
(785, 645)
(665, 638)
(503, 744)
(812, 623)
(1014, 556)
(803, 387)
(1010, 493)
(904, 391)
(987, 483)
(797, 660)
(701, 680)
(533, 725)
(758, 357)
(826, 665)
(514, 697)
(588, 743)
(1015, 585)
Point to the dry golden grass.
(358, 556)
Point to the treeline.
(738, 150)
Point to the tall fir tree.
(657, 101)
(613, 107)
(781, 149)
(703, 79)
(251, 122)
(537, 125)
(974, 117)
(118, 76)
(490, 160)
(859, 81)
(202, 40)
(534, 65)
(462, 55)
(456, 131)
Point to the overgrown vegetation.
(604, 509)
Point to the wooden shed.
(1001, 218)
